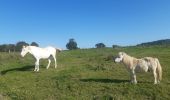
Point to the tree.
(34, 44)
(20, 44)
(100, 45)
(72, 44)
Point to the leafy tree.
(100, 45)
(20, 44)
(72, 44)
(34, 44)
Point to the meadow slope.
(88, 74)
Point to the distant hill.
(164, 42)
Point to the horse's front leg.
(133, 77)
(36, 65)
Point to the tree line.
(72, 44)
(164, 42)
(15, 47)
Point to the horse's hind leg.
(55, 60)
(49, 62)
(35, 69)
(35, 66)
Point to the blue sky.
(54, 22)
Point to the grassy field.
(82, 75)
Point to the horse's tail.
(159, 69)
(58, 49)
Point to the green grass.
(82, 75)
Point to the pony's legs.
(135, 81)
(133, 77)
(158, 81)
(37, 65)
(155, 76)
(49, 62)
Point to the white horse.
(40, 53)
(145, 64)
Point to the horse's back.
(142, 65)
(50, 49)
(152, 63)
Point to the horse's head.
(119, 57)
(24, 51)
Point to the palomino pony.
(145, 64)
(40, 53)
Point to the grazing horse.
(40, 53)
(145, 64)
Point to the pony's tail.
(159, 69)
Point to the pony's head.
(24, 51)
(119, 57)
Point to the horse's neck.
(33, 50)
(128, 60)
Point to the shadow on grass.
(149, 82)
(105, 80)
(24, 68)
